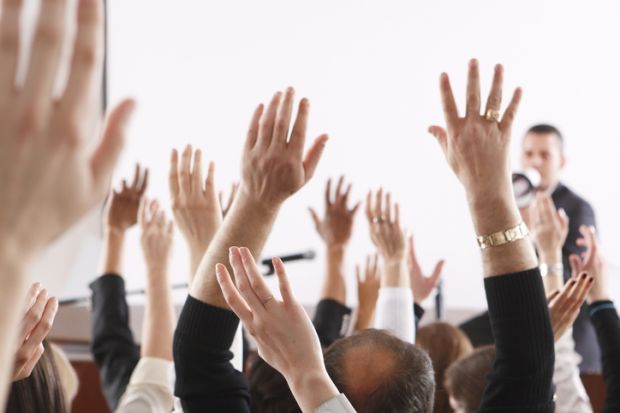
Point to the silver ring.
(266, 300)
(377, 220)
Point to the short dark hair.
(42, 391)
(543, 129)
(406, 385)
(269, 390)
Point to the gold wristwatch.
(503, 237)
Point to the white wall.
(371, 72)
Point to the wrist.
(323, 388)
(593, 297)
(550, 256)
(493, 213)
(395, 274)
(259, 206)
(113, 234)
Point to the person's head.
(380, 373)
(543, 150)
(269, 390)
(42, 391)
(445, 344)
(466, 379)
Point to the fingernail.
(584, 276)
(591, 280)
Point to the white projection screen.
(370, 70)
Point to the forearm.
(493, 211)
(606, 322)
(523, 369)
(312, 389)
(553, 280)
(158, 327)
(15, 281)
(248, 225)
(365, 317)
(112, 253)
(333, 284)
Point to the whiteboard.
(370, 70)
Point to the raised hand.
(273, 166)
(158, 322)
(388, 237)
(367, 292)
(477, 146)
(549, 229)
(156, 237)
(283, 331)
(122, 206)
(37, 323)
(195, 204)
(421, 285)
(564, 305)
(593, 263)
(49, 176)
(385, 230)
(336, 226)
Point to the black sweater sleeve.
(607, 325)
(521, 379)
(330, 321)
(206, 381)
(112, 345)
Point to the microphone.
(524, 185)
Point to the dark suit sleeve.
(521, 379)
(607, 325)
(112, 345)
(581, 213)
(329, 320)
(206, 380)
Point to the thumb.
(314, 156)
(105, 156)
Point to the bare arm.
(335, 229)
(273, 168)
(477, 149)
(195, 205)
(156, 240)
(49, 177)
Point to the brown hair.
(269, 390)
(445, 344)
(40, 392)
(467, 378)
(380, 373)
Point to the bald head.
(380, 373)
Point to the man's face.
(542, 152)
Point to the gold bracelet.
(503, 237)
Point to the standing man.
(543, 150)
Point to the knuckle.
(87, 56)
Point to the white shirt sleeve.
(571, 396)
(395, 312)
(337, 404)
(150, 389)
